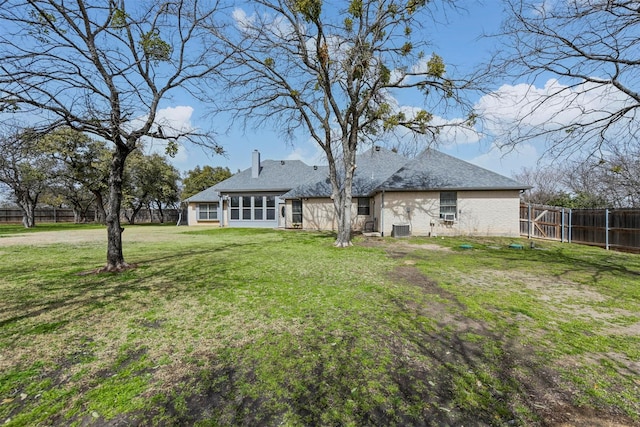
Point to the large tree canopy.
(150, 181)
(591, 49)
(103, 67)
(199, 179)
(329, 70)
(83, 167)
(25, 169)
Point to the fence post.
(562, 227)
(529, 220)
(570, 224)
(606, 225)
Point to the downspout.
(221, 208)
(382, 214)
(606, 228)
(562, 227)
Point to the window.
(363, 206)
(258, 210)
(235, 207)
(252, 208)
(448, 205)
(271, 208)
(246, 207)
(208, 211)
(296, 211)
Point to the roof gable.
(373, 167)
(274, 175)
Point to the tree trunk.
(101, 214)
(160, 213)
(115, 257)
(343, 238)
(77, 209)
(29, 217)
(28, 207)
(134, 213)
(343, 203)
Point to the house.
(431, 194)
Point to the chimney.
(255, 165)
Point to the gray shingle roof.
(275, 175)
(377, 170)
(433, 170)
(374, 166)
(208, 195)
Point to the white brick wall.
(490, 213)
(320, 214)
(483, 213)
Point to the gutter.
(382, 214)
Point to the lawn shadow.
(85, 293)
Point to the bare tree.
(624, 173)
(545, 182)
(617, 176)
(591, 48)
(102, 67)
(329, 70)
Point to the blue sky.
(458, 39)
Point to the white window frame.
(210, 209)
(448, 205)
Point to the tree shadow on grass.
(84, 293)
(439, 367)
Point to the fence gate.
(544, 222)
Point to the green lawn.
(264, 327)
(11, 229)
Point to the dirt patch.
(401, 248)
(543, 391)
(95, 235)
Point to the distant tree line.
(67, 169)
(609, 181)
(327, 72)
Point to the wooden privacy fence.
(617, 229)
(14, 215)
(42, 215)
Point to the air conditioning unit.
(401, 230)
(449, 217)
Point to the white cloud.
(508, 163)
(242, 20)
(527, 108)
(253, 24)
(310, 153)
(173, 121)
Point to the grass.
(232, 326)
(12, 229)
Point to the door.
(282, 215)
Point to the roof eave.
(414, 189)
